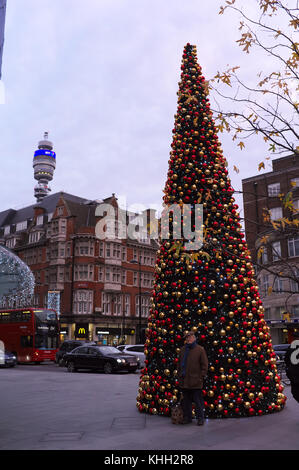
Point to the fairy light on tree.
(16, 280)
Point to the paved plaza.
(43, 407)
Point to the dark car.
(7, 359)
(106, 358)
(68, 346)
(280, 350)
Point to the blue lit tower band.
(44, 163)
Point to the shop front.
(283, 331)
(113, 336)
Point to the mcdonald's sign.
(81, 330)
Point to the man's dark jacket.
(196, 368)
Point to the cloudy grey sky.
(101, 77)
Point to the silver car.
(135, 350)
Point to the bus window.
(27, 341)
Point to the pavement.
(44, 407)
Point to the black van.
(68, 346)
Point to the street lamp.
(139, 313)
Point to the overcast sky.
(101, 77)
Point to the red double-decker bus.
(32, 334)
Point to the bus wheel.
(71, 367)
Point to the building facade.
(101, 286)
(271, 209)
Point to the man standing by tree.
(193, 367)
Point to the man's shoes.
(200, 422)
(186, 421)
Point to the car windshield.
(108, 350)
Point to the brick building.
(102, 286)
(274, 246)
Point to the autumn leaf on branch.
(261, 165)
(269, 28)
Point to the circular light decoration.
(16, 280)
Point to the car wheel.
(71, 367)
(108, 369)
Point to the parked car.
(106, 358)
(135, 349)
(280, 350)
(68, 346)
(8, 359)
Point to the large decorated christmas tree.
(211, 291)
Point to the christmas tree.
(211, 291)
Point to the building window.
(108, 274)
(278, 312)
(34, 237)
(62, 226)
(40, 220)
(117, 310)
(273, 189)
(83, 272)
(147, 280)
(60, 210)
(21, 225)
(7, 230)
(265, 284)
(101, 250)
(276, 251)
(84, 248)
(11, 242)
(262, 255)
(101, 273)
(116, 251)
(60, 273)
(106, 304)
(145, 305)
(293, 246)
(83, 301)
(267, 313)
(276, 213)
(278, 285)
(127, 305)
(108, 250)
(116, 274)
(61, 250)
(295, 284)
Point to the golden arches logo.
(81, 331)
